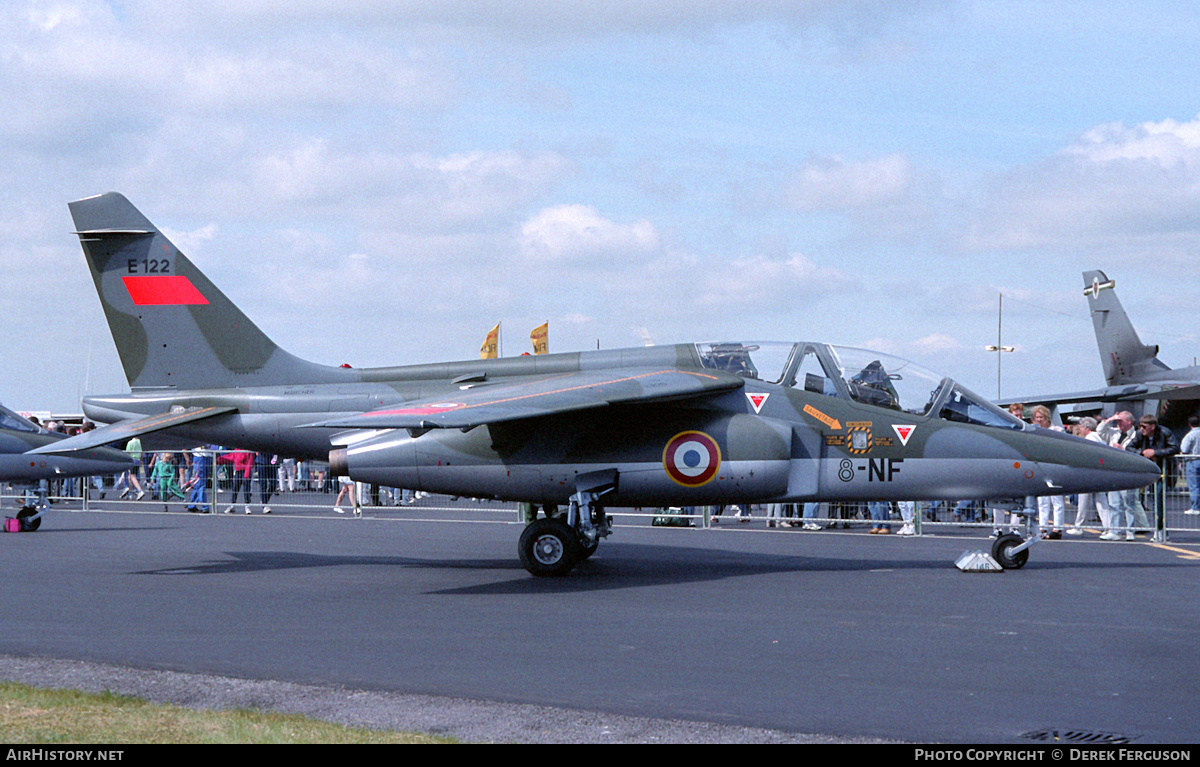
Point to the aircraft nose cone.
(1146, 470)
(1103, 469)
(1139, 468)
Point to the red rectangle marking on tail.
(163, 290)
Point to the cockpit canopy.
(864, 376)
(13, 422)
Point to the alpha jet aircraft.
(18, 464)
(686, 424)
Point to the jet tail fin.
(1124, 357)
(171, 325)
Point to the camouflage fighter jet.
(19, 465)
(685, 424)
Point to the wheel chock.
(978, 562)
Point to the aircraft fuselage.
(796, 445)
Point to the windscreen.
(12, 421)
(964, 406)
(764, 361)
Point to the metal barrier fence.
(211, 482)
(1171, 505)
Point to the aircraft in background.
(19, 436)
(1138, 381)
(679, 425)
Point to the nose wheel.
(1007, 552)
(1011, 549)
(30, 518)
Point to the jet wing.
(1179, 390)
(1172, 391)
(548, 395)
(1111, 394)
(123, 431)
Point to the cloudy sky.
(381, 183)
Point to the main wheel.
(27, 524)
(549, 547)
(1002, 552)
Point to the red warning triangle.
(756, 400)
(903, 432)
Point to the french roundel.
(692, 458)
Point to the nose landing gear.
(1011, 549)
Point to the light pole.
(999, 348)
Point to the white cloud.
(1117, 191)
(1166, 144)
(937, 343)
(539, 19)
(472, 185)
(408, 191)
(885, 197)
(306, 74)
(86, 68)
(189, 243)
(579, 232)
(834, 184)
(764, 283)
(297, 174)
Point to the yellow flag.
(490, 344)
(541, 338)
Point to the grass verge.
(29, 715)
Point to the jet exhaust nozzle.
(338, 464)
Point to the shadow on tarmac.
(619, 566)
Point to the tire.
(1002, 548)
(29, 525)
(548, 547)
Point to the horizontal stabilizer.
(549, 395)
(123, 431)
(98, 234)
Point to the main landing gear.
(554, 545)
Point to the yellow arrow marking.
(829, 421)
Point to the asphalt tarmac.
(404, 618)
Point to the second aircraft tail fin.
(171, 325)
(1124, 357)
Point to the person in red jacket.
(243, 469)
